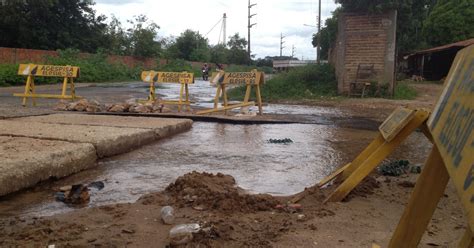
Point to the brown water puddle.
(242, 151)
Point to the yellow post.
(376, 157)
(64, 88)
(180, 101)
(27, 89)
(259, 99)
(224, 96)
(373, 146)
(188, 104)
(423, 201)
(218, 94)
(247, 93)
(152, 96)
(333, 175)
(73, 89)
(467, 240)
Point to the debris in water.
(280, 141)
(98, 185)
(395, 168)
(77, 194)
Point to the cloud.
(118, 2)
(272, 17)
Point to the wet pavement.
(242, 151)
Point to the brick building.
(365, 40)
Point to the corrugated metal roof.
(463, 43)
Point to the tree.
(237, 50)
(410, 17)
(219, 54)
(190, 45)
(142, 37)
(450, 21)
(328, 34)
(51, 24)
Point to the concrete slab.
(163, 127)
(25, 161)
(108, 141)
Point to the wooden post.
(423, 201)
(64, 88)
(180, 101)
(376, 157)
(259, 99)
(73, 89)
(188, 104)
(224, 96)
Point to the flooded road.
(242, 151)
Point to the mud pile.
(205, 191)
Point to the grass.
(404, 91)
(307, 82)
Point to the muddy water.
(242, 151)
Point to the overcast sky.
(273, 17)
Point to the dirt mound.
(365, 188)
(218, 192)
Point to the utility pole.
(281, 44)
(293, 51)
(224, 27)
(249, 27)
(318, 56)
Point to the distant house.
(434, 63)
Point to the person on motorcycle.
(205, 72)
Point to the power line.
(281, 43)
(249, 27)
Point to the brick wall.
(19, 55)
(365, 39)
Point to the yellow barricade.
(33, 70)
(221, 79)
(451, 130)
(183, 78)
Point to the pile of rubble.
(130, 106)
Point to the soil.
(231, 218)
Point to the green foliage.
(51, 24)
(308, 82)
(190, 45)
(237, 53)
(404, 91)
(328, 34)
(95, 68)
(410, 18)
(450, 21)
(180, 65)
(8, 75)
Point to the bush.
(95, 68)
(403, 91)
(8, 75)
(308, 82)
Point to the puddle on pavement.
(242, 151)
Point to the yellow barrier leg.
(188, 104)
(467, 240)
(333, 175)
(247, 94)
(64, 88)
(27, 90)
(371, 148)
(218, 94)
(259, 99)
(180, 102)
(33, 90)
(224, 96)
(152, 96)
(376, 157)
(428, 190)
(345, 171)
(73, 89)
